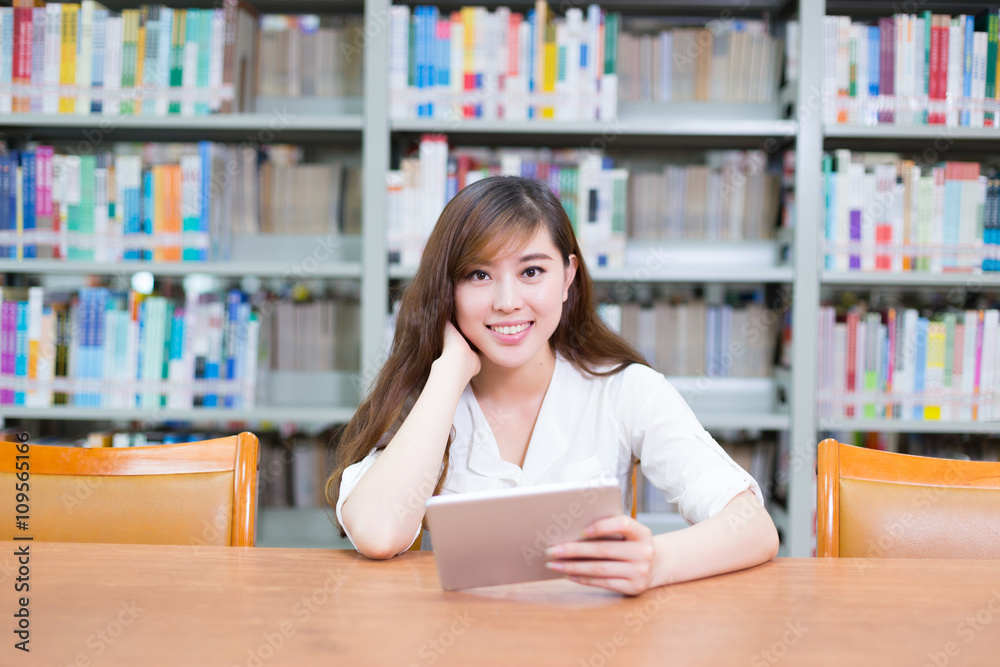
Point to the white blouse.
(593, 426)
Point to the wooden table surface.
(152, 605)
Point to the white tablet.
(499, 537)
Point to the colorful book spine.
(140, 64)
(203, 65)
(29, 168)
(21, 348)
(6, 57)
(176, 370)
(195, 179)
(213, 359)
(130, 37)
(84, 56)
(151, 53)
(101, 50)
(231, 340)
(152, 341)
(148, 212)
(189, 60)
(22, 52)
(8, 345)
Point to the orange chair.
(197, 493)
(875, 504)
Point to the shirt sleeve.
(677, 455)
(352, 475)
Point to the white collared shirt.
(593, 426)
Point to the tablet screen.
(500, 537)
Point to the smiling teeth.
(510, 330)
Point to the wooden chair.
(875, 504)
(198, 493)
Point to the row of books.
(81, 58)
(755, 455)
(294, 197)
(731, 197)
(321, 334)
(734, 61)
(591, 190)
(166, 202)
(900, 364)
(474, 63)
(690, 338)
(886, 213)
(310, 56)
(955, 446)
(293, 470)
(912, 69)
(104, 348)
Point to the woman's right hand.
(458, 354)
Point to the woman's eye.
(533, 272)
(478, 275)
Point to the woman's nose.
(507, 296)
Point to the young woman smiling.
(501, 374)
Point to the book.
(86, 59)
(938, 367)
(502, 64)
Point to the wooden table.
(141, 606)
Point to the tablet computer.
(500, 537)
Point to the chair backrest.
(198, 493)
(875, 504)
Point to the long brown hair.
(488, 219)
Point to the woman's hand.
(604, 560)
(458, 355)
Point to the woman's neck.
(530, 381)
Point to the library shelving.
(794, 120)
(298, 401)
(666, 126)
(914, 279)
(366, 122)
(909, 426)
(234, 268)
(935, 144)
(268, 414)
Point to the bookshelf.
(943, 143)
(365, 124)
(915, 279)
(268, 414)
(236, 268)
(312, 124)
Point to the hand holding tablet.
(501, 537)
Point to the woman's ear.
(569, 275)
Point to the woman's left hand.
(605, 560)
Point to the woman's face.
(508, 308)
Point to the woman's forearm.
(385, 509)
(741, 535)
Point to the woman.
(502, 374)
